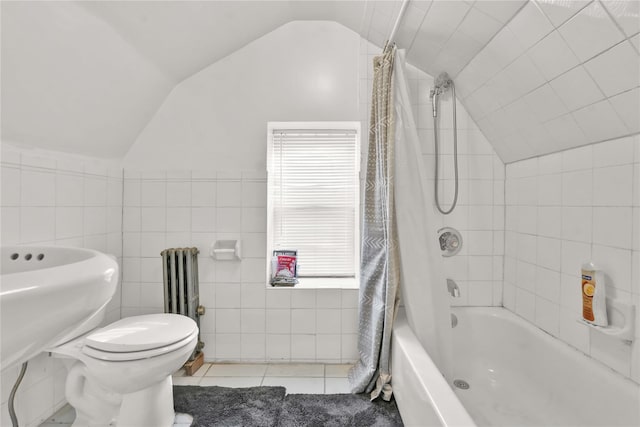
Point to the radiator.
(181, 290)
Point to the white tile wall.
(244, 320)
(574, 64)
(586, 200)
(51, 198)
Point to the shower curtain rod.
(403, 8)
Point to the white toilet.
(120, 375)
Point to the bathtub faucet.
(453, 288)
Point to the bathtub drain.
(461, 384)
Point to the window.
(314, 199)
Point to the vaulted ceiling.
(86, 77)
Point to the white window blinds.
(314, 197)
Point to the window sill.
(321, 283)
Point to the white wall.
(564, 209)
(217, 119)
(198, 173)
(52, 198)
(71, 82)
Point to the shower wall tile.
(625, 14)
(576, 88)
(591, 31)
(52, 198)
(552, 56)
(635, 41)
(613, 186)
(595, 221)
(581, 53)
(530, 25)
(479, 213)
(559, 13)
(616, 70)
(547, 315)
(609, 123)
(544, 103)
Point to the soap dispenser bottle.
(594, 304)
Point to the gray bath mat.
(334, 410)
(268, 406)
(224, 406)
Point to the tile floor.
(296, 378)
(66, 415)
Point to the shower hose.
(455, 156)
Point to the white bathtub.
(518, 376)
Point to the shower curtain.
(379, 267)
(399, 238)
(423, 283)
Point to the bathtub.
(517, 376)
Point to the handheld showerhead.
(441, 84)
(443, 81)
(434, 101)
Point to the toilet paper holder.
(226, 250)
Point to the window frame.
(312, 282)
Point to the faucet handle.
(453, 288)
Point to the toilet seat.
(140, 337)
(111, 356)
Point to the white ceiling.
(71, 83)
(86, 77)
(183, 37)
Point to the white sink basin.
(49, 295)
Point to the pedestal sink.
(48, 294)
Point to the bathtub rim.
(446, 406)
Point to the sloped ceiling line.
(537, 76)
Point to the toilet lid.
(140, 333)
(110, 356)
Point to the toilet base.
(152, 406)
(96, 406)
(128, 387)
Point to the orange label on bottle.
(588, 289)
